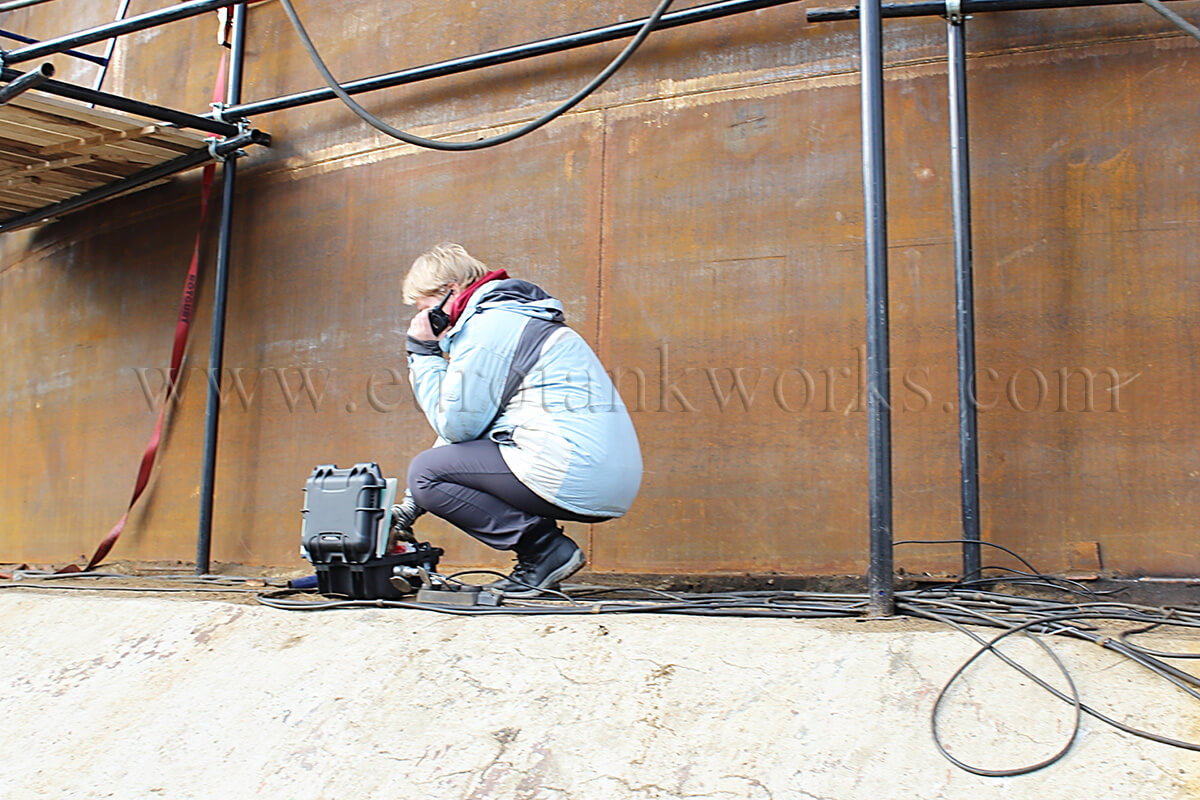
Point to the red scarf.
(460, 302)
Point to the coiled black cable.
(961, 607)
(990, 647)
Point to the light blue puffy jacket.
(518, 375)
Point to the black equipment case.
(345, 533)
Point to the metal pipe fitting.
(26, 81)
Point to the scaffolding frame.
(234, 131)
(230, 120)
(231, 133)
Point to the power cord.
(964, 607)
(961, 606)
(435, 144)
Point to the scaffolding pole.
(869, 14)
(879, 417)
(120, 27)
(939, 8)
(25, 82)
(13, 5)
(128, 106)
(491, 58)
(111, 47)
(956, 13)
(960, 179)
(16, 37)
(216, 354)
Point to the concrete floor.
(141, 696)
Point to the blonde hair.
(444, 264)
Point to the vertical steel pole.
(216, 354)
(111, 48)
(960, 172)
(879, 423)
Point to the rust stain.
(702, 221)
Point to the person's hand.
(419, 328)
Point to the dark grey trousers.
(469, 485)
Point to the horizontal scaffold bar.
(110, 30)
(129, 106)
(937, 8)
(505, 55)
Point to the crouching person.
(530, 429)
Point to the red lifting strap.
(186, 308)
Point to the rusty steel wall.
(701, 218)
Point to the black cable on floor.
(961, 607)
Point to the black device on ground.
(439, 320)
(346, 535)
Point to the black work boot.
(547, 558)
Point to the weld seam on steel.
(505, 55)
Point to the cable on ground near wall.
(961, 606)
(1071, 610)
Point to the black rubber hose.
(478, 144)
